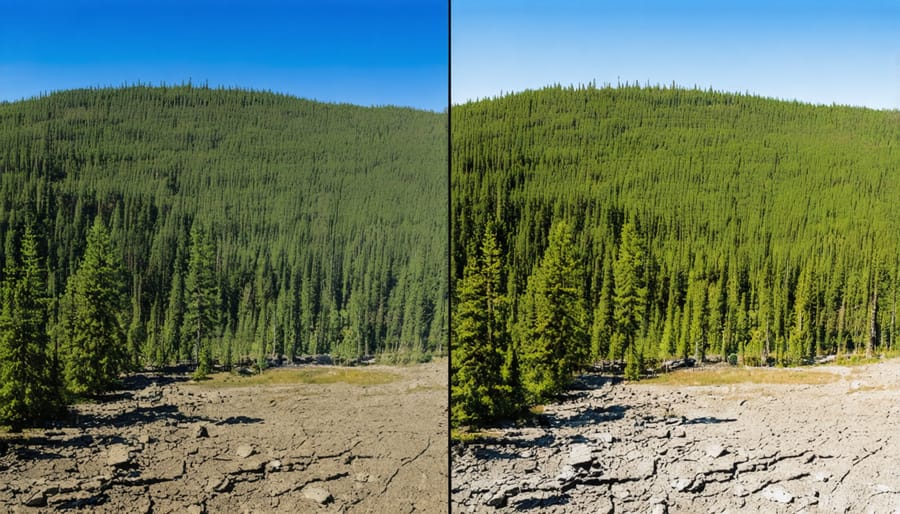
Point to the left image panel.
(223, 282)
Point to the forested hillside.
(700, 223)
(245, 224)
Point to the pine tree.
(556, 343)
(630, 297)
(95, 343)
(201, 294)
(485, 385)
(27, 387)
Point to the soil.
(634, 447)
(167, 445)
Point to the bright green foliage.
(768, 228)
(27, 386)
(630, 299)
(311, 207)
(485, 378)
(93, 310)
(202, 298)
(556, 341)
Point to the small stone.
(822, 476)
(196, 509)
(714, 451)
(317, 494)
(605, 437)
(580, 456)
(144, 438)
(118, 455)
(218, 485)
(681, 484)
(245, 450)
(777, 493)
(200, 431)
(497, 500)
(36, 499)
(362, 477)
(273, 465)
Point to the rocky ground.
(615, 447)
(166, 445)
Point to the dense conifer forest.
(221, 226)
(670, 223)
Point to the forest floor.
(821, 439)
(308, 441)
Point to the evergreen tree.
(557, 341)
(95, 344)
(630, 297)
(27, 386)
(201, 293)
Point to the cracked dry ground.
(749, 447)
(171, 446)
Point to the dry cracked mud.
(747, 447)
(167, 445)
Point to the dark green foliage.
(202, 310)
(485, 383)
(92, 316)
(327, 223)
(768, 229)
(28, 388)
(555, 342)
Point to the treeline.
(278, 226)
(702, 223)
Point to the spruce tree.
(630, 297)
(28, 392)
(95, 343)
(201, 295)
(556, 343)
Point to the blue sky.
(365, 52)
(826, 51)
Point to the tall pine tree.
(92, 310)
(27, 387)
(557, 343)
(201, 298)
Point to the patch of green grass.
(467, 435)
(731, 376)
(317, 375)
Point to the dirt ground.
(167, 445)
(818, 445)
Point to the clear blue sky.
(824, 51)
(365, 52)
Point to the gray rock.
(36, 499)
(118, 456)
(776, 493)
(681, 484)
(496, 500)
(273, 465)
(219, 485)
(714, 451)
(245, 450)
(317, 494)
(200, 431)
(580, 456)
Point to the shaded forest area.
(701, 223)
(306, 228)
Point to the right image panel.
(675, 256)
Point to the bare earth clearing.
(166, 445)
(827, 444)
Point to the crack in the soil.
(404, 462)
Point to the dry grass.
(746, 375)
(318, 375)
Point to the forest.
(641, 225)
(218, 227)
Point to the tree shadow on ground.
(707, 420)
(541, 503)
(585, 417)
(141, 381)
(239, 420)
(133, 417)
